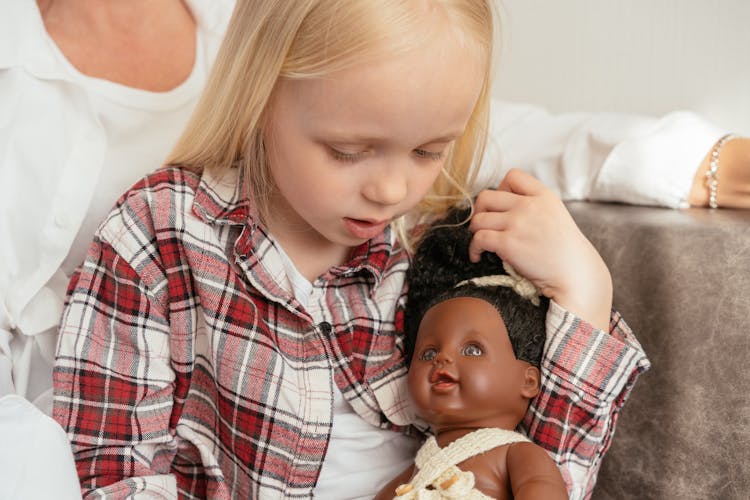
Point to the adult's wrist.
(731, 159)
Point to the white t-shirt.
(361, 458)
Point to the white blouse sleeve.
(36, 458)
(599, 156)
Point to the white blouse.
(70, 145)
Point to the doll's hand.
(528, 226)
(733, 190)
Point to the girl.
(235, 328)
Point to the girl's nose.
(386, 186)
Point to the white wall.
(634, 56)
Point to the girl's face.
(352, 151)
(464, 373)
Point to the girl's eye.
(472, 350)
(429, 155)
(428, 354)
(347, 157)
(339, 155)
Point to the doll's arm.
(533, 474)
(389, 490)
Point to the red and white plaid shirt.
(186, 366)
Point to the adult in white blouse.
(93, 95)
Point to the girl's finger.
(492, 200)
(486, 240)
(496, 221)
(520, 182)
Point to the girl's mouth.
(364, 229)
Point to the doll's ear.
(531, 378)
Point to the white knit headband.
(518, 283)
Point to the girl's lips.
(363, 229)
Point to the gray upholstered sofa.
(682, 281)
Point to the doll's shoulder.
(530, 468)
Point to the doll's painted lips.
(364, 229)
(442, 381)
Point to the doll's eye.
(428, 354)
(472, 350)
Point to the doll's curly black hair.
(442, 261)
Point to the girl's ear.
(531, 380)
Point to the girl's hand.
(733, 190)
(528, 226)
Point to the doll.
(474, 334)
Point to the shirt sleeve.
(113, 381)
(599, 156)
(587, 374)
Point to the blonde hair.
(272, 39)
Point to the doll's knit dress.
(438, 477)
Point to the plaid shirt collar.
(222, 200)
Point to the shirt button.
(325, 327)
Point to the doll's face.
(464, 372)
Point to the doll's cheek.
(413, 379)
(418, 384)
(481, 382)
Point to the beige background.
(634, 56)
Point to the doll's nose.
(441, 358)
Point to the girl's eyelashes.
(344, 156)
(472, 350)
(429, 155)
(347, 157)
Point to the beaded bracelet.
(712, 180)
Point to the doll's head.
(473, 346)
